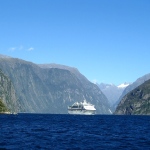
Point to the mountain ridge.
(51, 90)
(132, 86)
(111, 91)
(136, 102)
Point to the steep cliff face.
(136, 102)
(3, 108)
(50, 90)
(90, 91)
(132, 86)
(7, 94)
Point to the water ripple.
(28, 131)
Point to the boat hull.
(81, 112)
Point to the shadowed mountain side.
(7, 95)
(3, 108)
(50, 90)
(136, 102)
(132, 86)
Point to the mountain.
(8, 100)
(111, 91)
(132, 86)
(136, 102)
(47, 89)
(3, 108)
(4, 56)
(73, 70)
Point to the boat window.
(74, 106)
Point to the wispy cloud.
(30, 49)
(20, 48)
(12, 49)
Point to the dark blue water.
(36, 131)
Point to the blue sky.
(107, 40)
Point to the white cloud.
(30, 49)
(12, 49)
(18, 48)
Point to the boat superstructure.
(82, 108)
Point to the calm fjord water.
(45, 131)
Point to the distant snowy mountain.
(132, 86)
(123, 85)
(111, 91)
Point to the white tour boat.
(82, 108)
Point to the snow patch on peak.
(123, 85)
(95, 81)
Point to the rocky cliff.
(51, 89)
(3, 108)
(132, 86)
(136, 102)
(8, 98)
